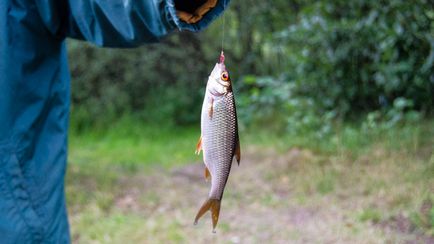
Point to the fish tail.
(212, 205)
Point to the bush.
(274, 104)
(158, 83)
(298, 66)
(359, 56)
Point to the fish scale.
(218, 141)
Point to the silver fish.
(219, 137)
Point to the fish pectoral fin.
(199, 146)
(211, 108)
(207, 174)
(214, 206)
(238, 151)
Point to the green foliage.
(159, 83)
(266, 101)
(358, 56)
(345, 60)
(297, 65)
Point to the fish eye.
(225, 76)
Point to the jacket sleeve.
(120, 23)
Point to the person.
(35, 87)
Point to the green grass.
(370, 214)
(350, 137)
(130, 143)
(376, 174)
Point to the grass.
(130, 144)
(370, 214)
(133, 184)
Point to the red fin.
(238, 151)
(212, 205)
(207, 174)
(199, 146)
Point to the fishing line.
(223, 29)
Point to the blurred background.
(335, 102)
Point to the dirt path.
(264, 201)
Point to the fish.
(219, 138)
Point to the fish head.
(219, 82)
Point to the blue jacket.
(34, 97)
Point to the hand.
(198, 13)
